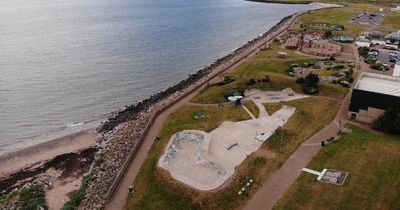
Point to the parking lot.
(368, 19)
(383, 58)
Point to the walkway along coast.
(127, 137)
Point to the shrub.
(337, 67)
(300, 80)
(363, 51)
(226, 80)
(311, 80)
(310, 90)
(79, 195)
(251, 82)
(234, 92)
(32, 198)
(377, 67)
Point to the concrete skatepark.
(205, 161)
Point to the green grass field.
(272, 107)
(340, 16)
(252, 107)
(155, 189)
(260, 66)
(372, 161)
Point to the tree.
(311, 80)
(389, 122)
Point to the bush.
(389, 122)
(363, 51)
(337, 67)
(290, 69)
(300, 80)
(226, 80)
(79, 195)
(311, 80)
(234, 92)
(251, 82)
(370, 60)
(310, 90)
(377, 67)
(32, 198)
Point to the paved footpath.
(280, 181)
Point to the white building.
(362, 42)
(397, 9)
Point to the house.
(393, 40)
(372, 95)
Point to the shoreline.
(26, 157)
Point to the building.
(362, 42)
(393, 39)
(396, 9)
(396, 71)
(377, 38)
(372, 95)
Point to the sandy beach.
(15, 161)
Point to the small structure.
(363, 42)
(282, 55)
(344, 38)
(199, 116)
(396, 71)
(330, 176)
(235, 99)
(372, 95)
(396, 9)
(393, 40)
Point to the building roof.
(394, 36)
(377, 83)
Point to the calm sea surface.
(67, 63)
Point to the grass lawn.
(155, 189)
(324, 72)
(340, 16)
(252, 107)
(390, 23)
(259, 67)
(272, 107)
(374, 175)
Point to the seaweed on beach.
(70, 164)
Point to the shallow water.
(64, 63)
